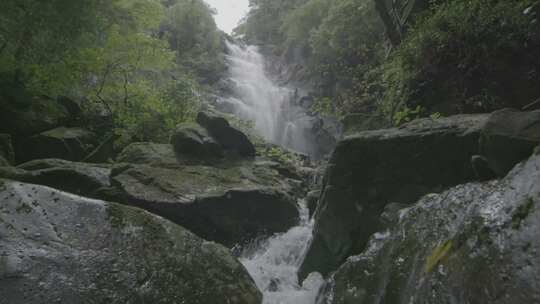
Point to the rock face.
(65, 143)
(78, 178)
(374, 168)
(193, 141)
(60, 248)
(229, 137)
(229, 205)
(509, 137)
(475, 243)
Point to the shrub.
(466, 56)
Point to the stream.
(274, 262)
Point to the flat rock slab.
(229, 205)
(61, 248)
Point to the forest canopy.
(454, 56)
(140, 61)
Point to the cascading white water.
(270, 107)
(273, 263)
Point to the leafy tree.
(192, 33)
(466, 56)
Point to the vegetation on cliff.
(141, 62)
(458, 56)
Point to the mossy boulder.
(61, 248)
(509, 137)
(65, 143)
(475, 243)
(78, 178)
(194, 141)
(149, 154)
(228, 204)
(371, 169)
(226, 135)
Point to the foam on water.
(273, 263)
(272, 108)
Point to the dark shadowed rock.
(476, 243)
(78, 178)
(65, 143)
(61, 248)
(509, 137)
(229, 137)
(229, 205)
(193, 141)
(104, 152)
(32, 116)
(373, 168)
(7, 156)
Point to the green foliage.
(407, 114)
(140, 61)
(325, 106)
(192, 33)
(339, 40)
(280, 155)
(466, 56)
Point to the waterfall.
(273, 109)
(278, 118)
(273, 263)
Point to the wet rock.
(7, 156)
(509, 137)
(193, 141)
(229, 205)
(312, 200)
(78, 178)
(60, 248)
(229, 137)
(475, 243)
(371, 169)
(65, 143)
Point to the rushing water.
(272, 108)
(273, 263)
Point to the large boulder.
(229, 137)
(193, 141)
(229, 205)
(476, 243)
(78, 178)
(32, 116)
(65, 143)
(508, 138)
(371, 169)
(60, 248)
